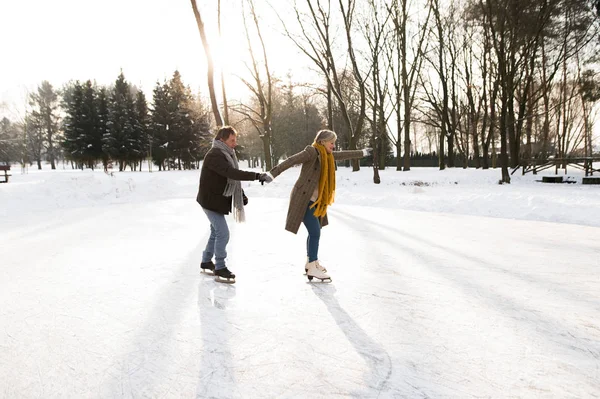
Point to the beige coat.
(307, 182)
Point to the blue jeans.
(217, 242)
(313, 225)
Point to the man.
(220, 190)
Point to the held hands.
(265, 178)
(367, 152)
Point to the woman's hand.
(265, 178)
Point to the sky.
(148, 40)
(444, 285)
(69, 39)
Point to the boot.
(225, 276)
(314, 271)
(207, 266)
(319, 266)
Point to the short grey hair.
(325, 136)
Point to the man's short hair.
(224, 132)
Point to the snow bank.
(456, 191)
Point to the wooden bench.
(584, 163)
(590, 180)
(6, 175)
(552, 179)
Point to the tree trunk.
(223, 91)
(441, 159)
(210, 70)
(503, 149)
(329, 103)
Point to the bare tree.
(316, 42)
(439, 90)
(406, 74)
(223, 92)
(44, 123)
(589, 90)
(474, 98)
(261, 117)
(210, 69)
(376, 35)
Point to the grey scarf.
(233, 187)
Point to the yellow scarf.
(326, 181)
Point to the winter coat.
(307, 182)
(213, 179)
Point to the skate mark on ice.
(375, 355)
(146, 362)
(538, 280)
(536, 322)
(216, 375)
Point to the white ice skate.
(319, 266)
(313, 271)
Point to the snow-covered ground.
(445, 285)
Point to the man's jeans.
(314, 233)
(217, 242)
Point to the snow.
(445, 285)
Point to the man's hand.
(245, 199)
(265, 178)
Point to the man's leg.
(221, 237)
(209, 251)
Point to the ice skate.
(224, 276)
(207, 267)
(319, 266)
(313, 271)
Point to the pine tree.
(142, 124)
(73, 123)
(119, 142)
(82, 130)
(159, 125)
(103, 119)
(91, 130)
(201, 136)
(181, 132)
(137, 146)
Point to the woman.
(313, 193)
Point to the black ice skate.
(224, 276)
(207, 267)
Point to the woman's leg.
(314, 233)
(219, 237)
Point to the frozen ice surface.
(445, 285)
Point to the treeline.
(507, 80)
(87, 125)
(516, 79)
(511, 81)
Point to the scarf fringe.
(326, 194)
(233, 187)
